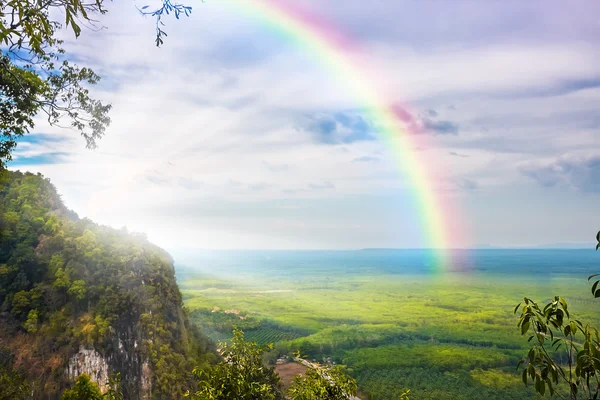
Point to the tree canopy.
(242, 374)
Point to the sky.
(232, 135)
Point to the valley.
(443, 337)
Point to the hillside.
(77, 297)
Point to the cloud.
(467, 184)
(260, 186)
(580, 173)
(366, 159)
(276, 167)
(339, 128)
(425, 124)
(560, 87)
(455, 154)
(321, 186)
(440, 127)
(174, 182)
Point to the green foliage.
(595, 288)
(565, 353)
(31, 324)
(114, 391)
(84, 389)
(35, 75)
(241, 375)
(12, 384)
(564, 350)
(323, 383)
(219, 325)
(67, 282)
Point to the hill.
(77, 297)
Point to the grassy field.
(444, 338)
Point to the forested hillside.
(77, 297)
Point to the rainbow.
(397, 127)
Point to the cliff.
(76, 297)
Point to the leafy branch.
(168, 7)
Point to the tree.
(12, 385)
(565, 351)
(36, 76)
(241, 375)
(323, 383)
(114, 391)
(84, 389)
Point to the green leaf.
(525, 327)
(524, 376)
(531, 355)
(516, 308)
(520, 363)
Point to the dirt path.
(288, 372)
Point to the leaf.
(516, 308)
(145, 7)
(531, 355)
(525, 327)
(520, 363)
(598, 236)
(524, 376)
(563, 302)
(592, 276)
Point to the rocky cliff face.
(89, 361)
(133, 366)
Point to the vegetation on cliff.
(67, 283)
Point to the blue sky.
(230, 136)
